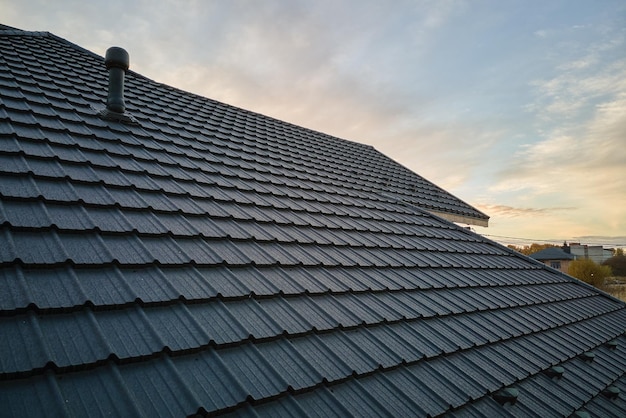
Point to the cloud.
(580, 117)
(333, 68)
(621, 238)
(589, 155)
(585, 169)
(607, 241)
(514, 212)
(577, 158)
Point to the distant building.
(595, 253)
(554, 257)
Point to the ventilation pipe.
(117, 62)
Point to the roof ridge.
(7, 27)
(19, 32)
(6, 30)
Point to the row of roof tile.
(424, 324)
(305, 366)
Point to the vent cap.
(611, 392)
(506, 395)
(555, 372)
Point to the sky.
(517, 107)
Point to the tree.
(618, 252)
(531, 249)
(617, 263)
(590, 272)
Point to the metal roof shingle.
(210, 260)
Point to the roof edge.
(19, 32)
(481, 216)
(463, 219)
(538, 263)
(7, 27)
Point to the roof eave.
(462, 219)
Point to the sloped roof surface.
(552, 253)
(212, 260)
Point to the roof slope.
(212, 260)
(552, 253)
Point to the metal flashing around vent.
(125, 117)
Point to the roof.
(552, 253)
(209, 260)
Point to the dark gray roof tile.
(24, 214)
(127, 249)
(90, 248)
(99, 398)
(17, 334)
(376, 396)
(255, 319)
(70, 154)
(227, 252)
(9, 145)
(288, 317)
(473, 371)
(130, 198)
(17, 397)
(81, 172)
(71, 339)
(32, 247)
(144, 221)
(485, 408)
(37, 149)
(257, 376)
(158, 389)
(326, 361)
(95, 194)
(116, 327)
(442, 393)
(13, 164)
(416, 335)
(166, 250)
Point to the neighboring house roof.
(552, 253)
(207, 259)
